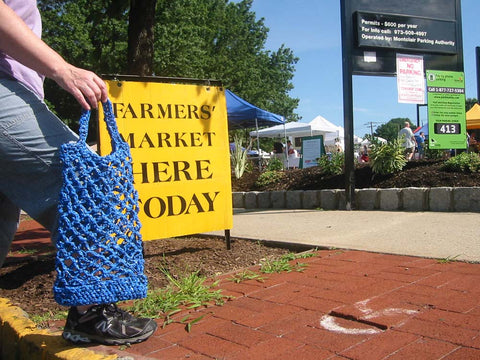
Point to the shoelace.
(112, 309)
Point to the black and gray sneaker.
(107, 324)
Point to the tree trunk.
(141, 37)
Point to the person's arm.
(19, 42)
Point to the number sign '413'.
(446, 110)
(441, 128)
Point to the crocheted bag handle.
(109, 119)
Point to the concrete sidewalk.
(428, 234)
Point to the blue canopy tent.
(423, 128)
(242, 114)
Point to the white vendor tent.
(357, 140)
(380, 139)
(318, 126)
(330, 138)
(340, 134)
(322, 124)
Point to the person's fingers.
(85, 95)
(87, 88)
(80, 97)
(93, 94)
(103, 96)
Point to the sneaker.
(106, 324)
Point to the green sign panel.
(446, 110)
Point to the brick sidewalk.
(31, 241)
(344, 305)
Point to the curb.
(446, 199)
(20, 339)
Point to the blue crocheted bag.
(99, 247)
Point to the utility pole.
(370, 123)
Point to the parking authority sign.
(178, 136)
(446, 110)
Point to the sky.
(312, 29)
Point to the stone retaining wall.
(452, 199)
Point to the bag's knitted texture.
(99, 246)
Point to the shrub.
(333, 165)
(269, 177)
(464, 162)
(434, 154)
(274, 164)
(387, 158)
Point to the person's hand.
(87, 87)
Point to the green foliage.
(373, 139)
(387, 158)
(464, 162)
(239, 156)
(274, 164)
(207, 39)
(269, 177)
(216, 39)
(283, 264)
(469, 103)
(448, 259)
(188, 291)
(333, 165)
(23, 250)
(89, 34)
(246, 275)
(433, 154)
(269, 266)
(389, 131)
(42, 321)
(249, 166)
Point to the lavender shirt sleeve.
(27, 10)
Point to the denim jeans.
(30, 169)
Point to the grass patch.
(448, 259)
(285, 263)
(24, 251)
(186, 292)
(41, 321)
(246, 275)
(190, 291)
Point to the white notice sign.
(410, 79)
(312, 150)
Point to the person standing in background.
(420, 139)
(290, 148)
(408, 140)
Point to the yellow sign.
(178, 136)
